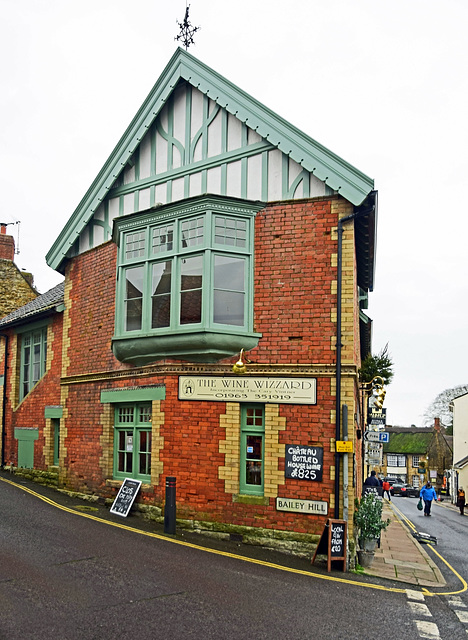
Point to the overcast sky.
(381, 83)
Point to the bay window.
(185, 281)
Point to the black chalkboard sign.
(333, 542)
(124, 500)
(303, 462)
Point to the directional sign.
(376, 436)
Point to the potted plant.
(369, 523)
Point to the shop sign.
(276, 390)
(376, 417)
(303, 462)
(309, 507)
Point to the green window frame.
(33, 359)
(186, 270)
(132, 441)
(191, 271)
(252, 457)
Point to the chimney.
(7, 244)
(437, 424)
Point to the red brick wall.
(293, 299)
(30, 412)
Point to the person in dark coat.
(428, 494)
(461, 501)
(372, 480)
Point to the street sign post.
(376, 436)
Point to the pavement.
(401, 557)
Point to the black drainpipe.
(339, 286)
(4, 399)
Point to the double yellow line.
(271, 565)
(401, 516)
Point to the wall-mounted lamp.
(240, 367)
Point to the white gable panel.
(275, 163)
(214, 136)
(178, 189)
(99, 214)
(179, 113)
(145, 199)
(234, 139)
(98, 235)
(128, 206)
(196, 117)
(195, 184)
(113, 209)
(84, 240)
(254, 177)
(161, 193)
(129, 175)
(253, 136)
(213, 181)
(316, 187)
(234, 177)
(145, 157)
(161, 154)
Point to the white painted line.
(462, 616)
(415, 595)
(428, 630)
(420, 609)
(456, 601)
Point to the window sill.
(194, 346)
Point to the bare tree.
(440, 406)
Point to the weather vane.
(186, 30)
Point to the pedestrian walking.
(372, 480)
(461, 501)
(386, 489)
(428, 494)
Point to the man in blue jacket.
(428, 494)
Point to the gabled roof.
(325, 165)
(42, 305)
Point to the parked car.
(404, 490)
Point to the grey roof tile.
(42, 303)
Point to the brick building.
(215, 226)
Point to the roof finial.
(186, 30)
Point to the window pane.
(191, 290)
(192, 232)
(134, 298)
(144, 454)
(125, 451)
(229, 273)
(229, 295)
(228, 308)
(253, 459)
(135, 245)
(125, 414)
(230, 231)
(163, 238)
(161, 295)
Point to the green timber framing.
(338, 175)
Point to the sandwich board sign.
(125, 498)
(333, 542)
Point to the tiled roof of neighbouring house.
(39, 305)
